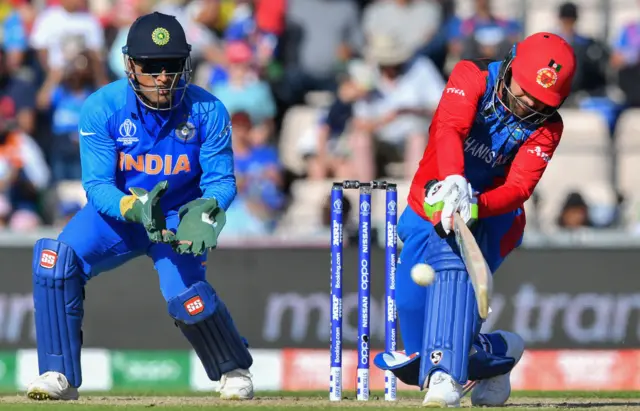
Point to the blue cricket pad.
(489, 357)
(405, 367)
(206, 323)
(451, 325)
(58, 298)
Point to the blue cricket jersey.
(124, 144)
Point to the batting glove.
(444, 198)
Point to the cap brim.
(157, 55)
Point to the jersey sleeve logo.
(539, 153)
(452, 90)
(86, 133)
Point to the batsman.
(491, 138)
(157, 168)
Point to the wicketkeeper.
(492, 136)
(157, 167)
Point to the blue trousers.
(103, 243)
(92, 243)
(496, 236)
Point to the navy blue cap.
(156, 36)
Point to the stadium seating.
(584, 132)
(622, 13)
(71, 191)
(582, 173)
(504, 8)
(627, 145)
(544, 17)
(296, 121)
(304, 214)
(582, 163)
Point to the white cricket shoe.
(495, 391)
(51, 386)
(443, 391)
(236, 385)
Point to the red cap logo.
(546, 77)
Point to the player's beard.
(517, 107)
(521, 110)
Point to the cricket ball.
(423, 274)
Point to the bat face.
(477, 267)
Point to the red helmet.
(544, 65)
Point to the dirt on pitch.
(132, 402)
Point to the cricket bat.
(477, 267)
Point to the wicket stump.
(364, 289)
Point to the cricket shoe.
(236, 385)
(443, 391)
(51, 386)
(495, 391)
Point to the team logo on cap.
(547, 77)
(160, 36)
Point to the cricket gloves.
(143, 207)
(201, 222)
(446, 197)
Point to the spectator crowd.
(375, 69)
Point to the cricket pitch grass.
(293, 401)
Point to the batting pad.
(58, 294)
(451, 325)
(206, 323)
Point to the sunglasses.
(157, 66)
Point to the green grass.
(138, 400)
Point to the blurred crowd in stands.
(375, 69)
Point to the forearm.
(105, 198)
(224, 191)
(501, 200)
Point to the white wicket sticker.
(390, 386)
(363, 385)
(335, 388)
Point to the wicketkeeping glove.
(144, 208)
(201, 222)
(444, 198)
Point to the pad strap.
(58, 297)
(206, 323)
(405, 367)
